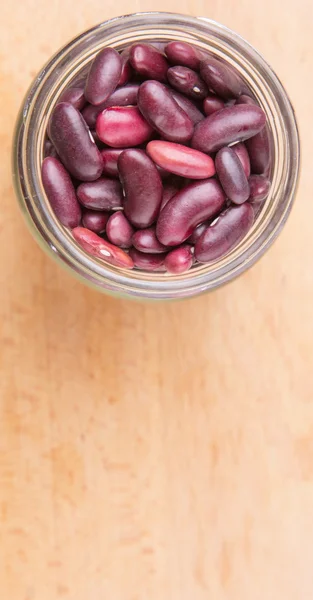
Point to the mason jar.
(72, 62)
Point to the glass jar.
(70, 63)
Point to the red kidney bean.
(148, 62)
(243, 156)
(189, 207)
(110, 158)
(259, 187)
(121, 127)
(123, 96)
(142, 187)
(232, 124)
(220, 78)
(179, 260)
(98, 247)
(119, 230)
(225, 233)
(181, 160)
(181, 53)
(73, 143)
(259, 152)
(232, 176)
(60, 191)
(126, 72)
(162, 112)
(145, 240)
(104, 75)
(187, 82)
(146, 261)
(169, 190)
(75, 96)
(95, 220)
(194, 114)
(212, 104)
(197, 233)
(103, 194)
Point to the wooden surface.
(156, 452)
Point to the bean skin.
(181, 160)
(243, 156)
(147, 261)
(169, 190)
(220, 78)
(232, 124)
(98, 247)
(122, 126)
(73, 143)
(103, 194)
(197, 233)
(181, 53)
(61, 192)
(162, 112)
(110, 159)
(194, 114)
(259, 188)
(95, 220)
(142, 187)
(232, 176)
(225, 233)
(259, 152)
(212, 104)
(104, 75)
(146, 240)
(119, 230)
(179, 260)
(148, 62)
(75, 96)
(124, 96)
(189, 207)
(187, 82)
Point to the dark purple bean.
(259, 152)
(119, 230)
(145, 240)
(74, 144)
(187, 82)
(232, 176)
(95, 220)
(212, 104)
(232, 124)
(142, 187)
(146, 261)
(243, 156)
(259, 188)
(197, 233)
(126, 72)
(225, 233)
(148, 62)
(181, 53)
(179, 260)
(189, 207)
(60, 191)
(103, 194)
(75, 96)
(103, 76)
(162, 112)
(98, 247)
(169, 190)
(123, 96)
(110, 159)
(123, 126)
(194, 114)
(181, 160)
(220, 78)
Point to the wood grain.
(156, 451)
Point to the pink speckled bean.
(212, 104)
(142, 187)
(243, 156)
(75, 96)
(121, 127)
(119, 230)
(104, 75)
(179, 260)
(162, 112)
(194, 114)
(231, 124)
(259, 188)
(148, 62)
(123, 96)
(189, 207)
(98, 247)
(103, 194)
(95, 220)
(181, 160)
(146, 240)
(73, 143)
(225, 233)
(181, 53)
(187, 82)
(147, 261)
(110, 160)
(60, 191)
(220, 78)
(232, 176)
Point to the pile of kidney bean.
(158, 159)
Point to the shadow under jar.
(70, 64)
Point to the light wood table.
(156, 451)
